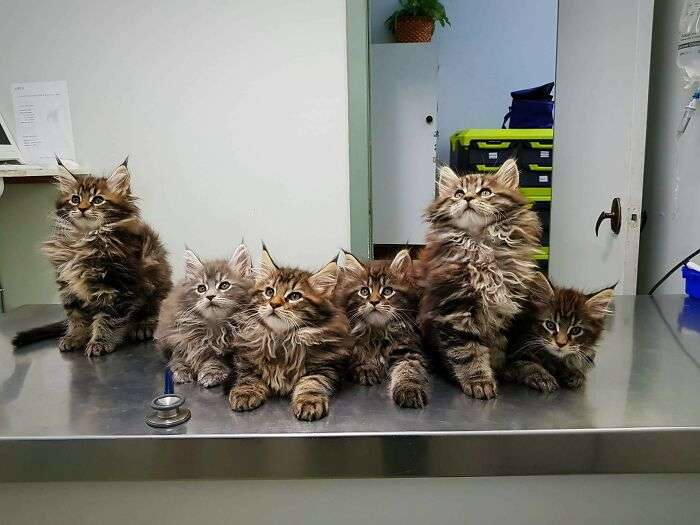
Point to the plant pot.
(414, 29)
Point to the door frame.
(357, 25)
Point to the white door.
(603, 52)
(403, 112)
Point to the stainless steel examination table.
(67, 417)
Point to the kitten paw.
(574, 381)
(481, 389)
(182, 375)
(542, 382)
(367, 375)
(310, 407)
(244, 401)
(142, 331)
(410, 396)
(96, 348)
(70, 344)
(212, 378)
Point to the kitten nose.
(468, 198)
(561, 343)
(277, 302)
(374, 302)
(211, 297)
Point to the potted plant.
(414, 21)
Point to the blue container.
(692, 282)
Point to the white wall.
(234, 114)
(494, 47)
(672, 174)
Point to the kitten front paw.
(242, 401)
(480, 389)
(97, 348)
(367, 375)
(142, 331)
(542, 382)
(410, 396)
(574, 380)
(182, 375)
(310, 407)
(212, 378)
(69, 343)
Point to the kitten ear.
(267, 265)
(402, 263)
(326, 278)
(64, 178)
(193, 266)
(598, 303)
(541, 287)
(120, 179)
(353, 265)
(448, 180)
(508, 175)
(241, 262)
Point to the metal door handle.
(615, 216)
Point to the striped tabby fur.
(295, 344)
(477, 266)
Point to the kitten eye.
(97, 199)
(550, 325)
(75, 199)
(459, 194)
(485, 192)
(224, 285)
(387, 291)
(364, 292)
(576, 330)
(202, 288)
(269, 292)
(294, 296)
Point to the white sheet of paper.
(43, 123)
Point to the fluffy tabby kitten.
(380, 299)
(296, 342)
(554, 341)
(477, 265)
(110, 266)
(201, 316)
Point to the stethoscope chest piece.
(168, 411)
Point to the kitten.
(201, 316)
(110, 266)
(380, 299)
(477, 265)
(554, 341)
(295, 344)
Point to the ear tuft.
(598, 303)
(267, 265)
(66, 181)
(193, 266)
(241, 261)
(325, 279)
(402, 263)
(508, 175)
(541, 287)
(448, 180)
(120, 180)
(353, 265)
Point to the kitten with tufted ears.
(477, 266)
(200, 319)
(295, 343)
(110, 266)
(380, 299)
(554, 341)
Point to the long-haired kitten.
(380, 299)
(477, 265)
(110, 266)
(554, 342)
(295, 344)
(200, 318)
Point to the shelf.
(32, 176)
